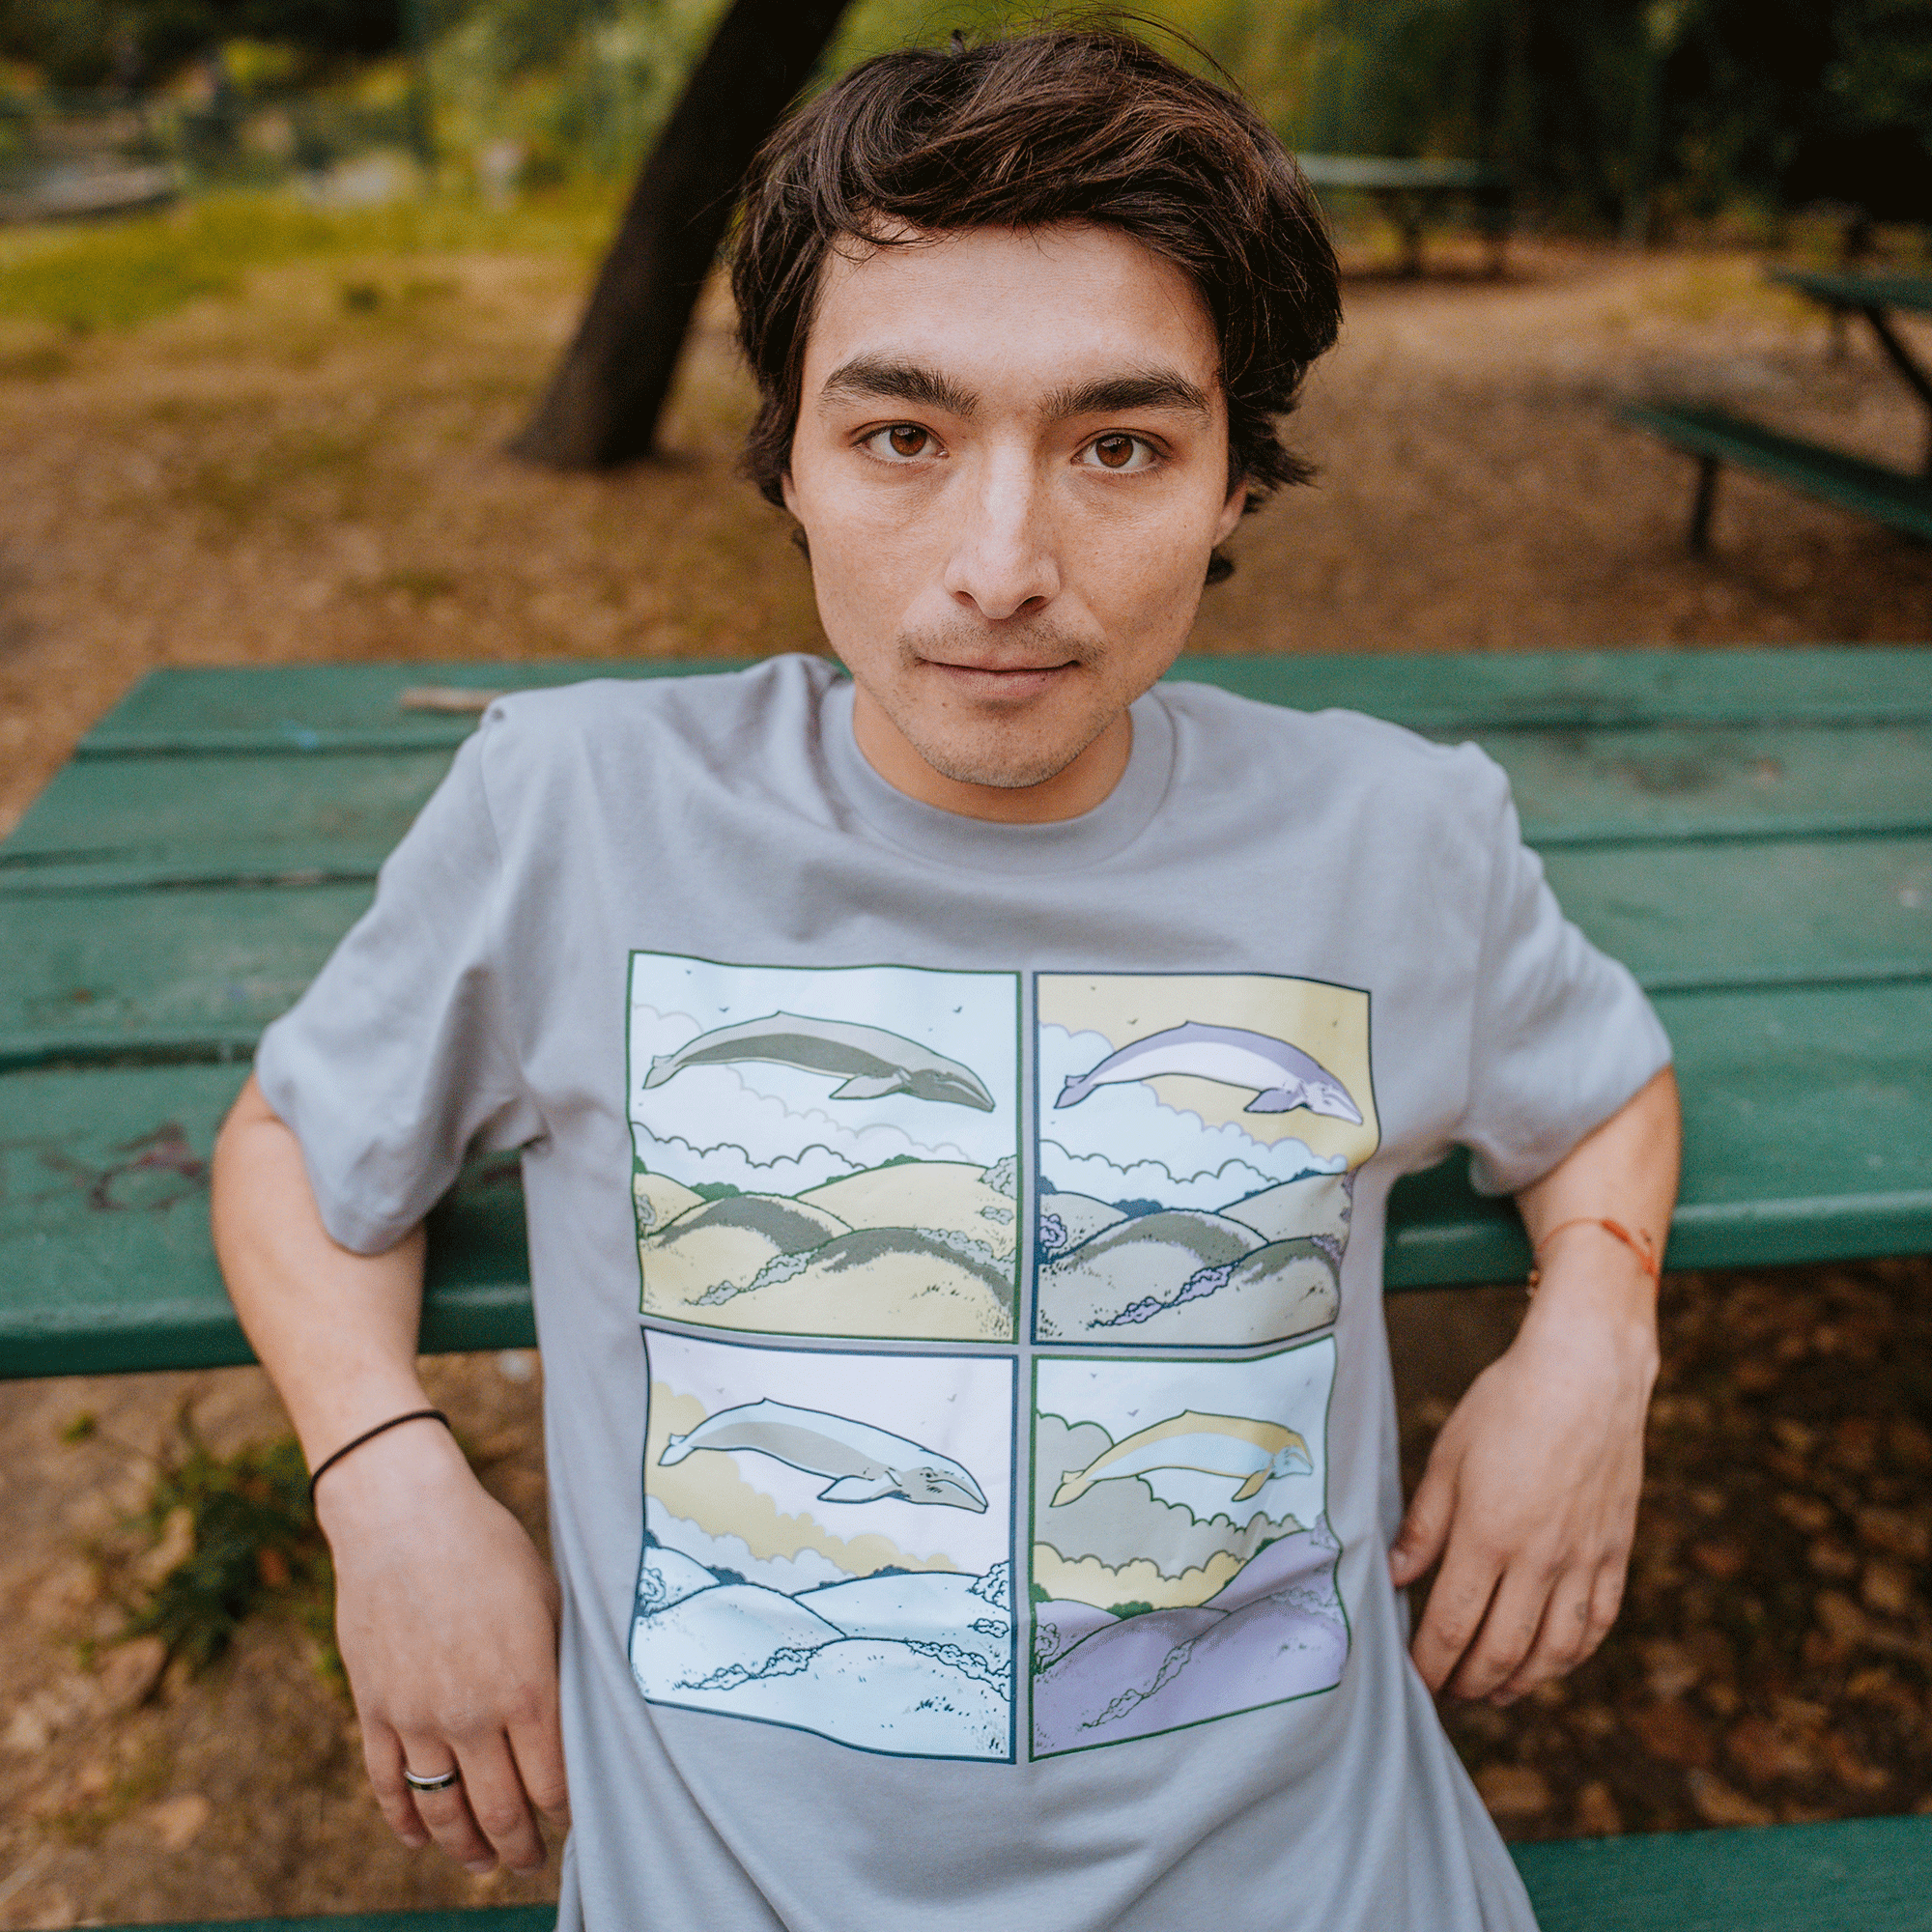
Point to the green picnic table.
(1408, 191)
(1752, 831)
(1715, 437)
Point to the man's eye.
(903, 441)
(1118, 453)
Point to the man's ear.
(1231, 511)
(789, 494)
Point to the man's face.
(1011, 466)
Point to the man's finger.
(1563, 1640)
(538, 1749)
(499, 1805)
(446, 1812)
(382, 1755)
(1508, 1633)
(1425, 1528)
(1458, 1603)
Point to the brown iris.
(1115, 452)
(906, 439)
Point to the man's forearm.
(1625, 1172)
(336, 1330)
(1531, 1492)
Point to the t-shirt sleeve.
(395, 1060)
(1562, 1035)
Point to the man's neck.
(1076, 788)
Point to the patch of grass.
(122, 275)
(253, 1545)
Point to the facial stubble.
(1009, 763)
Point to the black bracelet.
(328, 1462)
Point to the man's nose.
(1002, 561)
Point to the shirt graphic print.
(828, 1169)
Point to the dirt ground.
(313, 473)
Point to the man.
(966, 1071)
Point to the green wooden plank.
(1852, 1875)
(1677, 782)
(1831, 476)
(248, 817)
(313, 707)
(1844, 290)
(1808, 1131)
(470, 1919)
(198, 972)
(105, 1260)
(1808, 1128)
(1782, 912)
(245, 817)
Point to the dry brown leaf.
(1596, 1816)
(1899, 1532)
(1514, 1791)
(1717, 1804)
(1887, 1588)
(1674, 1732)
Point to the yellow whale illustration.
(1234, 1446)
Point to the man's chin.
(999, 766)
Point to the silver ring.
(453, 1775)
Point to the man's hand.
(447, 1617)
(1530, 1496)
(1531, 1490)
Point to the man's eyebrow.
(890, 379)
(1144, 389)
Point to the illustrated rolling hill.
(1277, 1631)
(913, 1661)
(1263, 1268)
(920, 1248)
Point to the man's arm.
(1531, 1492)
(445, 1615)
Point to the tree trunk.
(603, 402)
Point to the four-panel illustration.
(929, 1479)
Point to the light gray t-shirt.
(956, 1251)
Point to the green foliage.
(117, 276)
(252, 1540)
(1133, 1608)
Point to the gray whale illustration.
(1283, 1077)
(865, 1465)
(873, 1061)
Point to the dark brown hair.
(1067, 123)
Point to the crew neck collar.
(1061, 845)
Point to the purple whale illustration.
(1282, 1076)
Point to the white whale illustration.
(1282, 1076)
(865, 1465)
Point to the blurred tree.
(603, 404)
